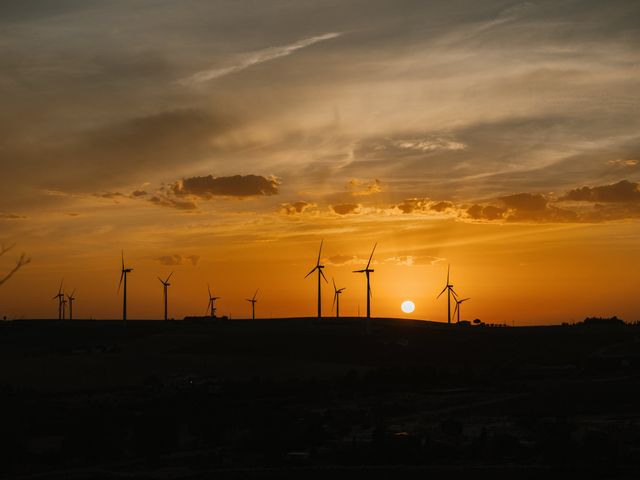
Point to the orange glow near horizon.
(514, 274)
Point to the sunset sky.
(223, 140)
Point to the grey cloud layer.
(458, 98)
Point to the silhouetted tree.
(23, 260)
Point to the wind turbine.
(457, 309)
(71, 299)
(450, 290)
(64, 308)
(366, 270)
(60, 297)
(336, 297)
(123, 276)
(253, 305)
(165, 285)
(211, 307)
(319, 268)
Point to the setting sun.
(408, 306)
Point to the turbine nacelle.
(166, 281)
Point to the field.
(292, 398)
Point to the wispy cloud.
(254, 58)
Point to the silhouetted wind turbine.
(211, 307)
(60, 297)
(336, 297)
(319, 268)
(253, 305)
(366, 270)
(123, 276)
(71, 299)
(457, 309)
(450, 290)
(165, 285)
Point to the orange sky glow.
(223, 141)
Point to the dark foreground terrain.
(296, 398)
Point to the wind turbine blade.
(319, 252)
(358, 271)
(371, 256)
(248, 300)
(169, 277)
(335, 295)
(161, 281)
(255, 294)
(121, 277)
(334, 284)
(60, 289)
(455, 295)
(443, 290)
(312, 270)
(322, 274)
(456, 309)
(464, 300)
(209, 290)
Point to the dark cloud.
(110, 195)
(411, 205)
(522, 207)
(170, 259)
(528, 202)
(346, 208)
(485, 212)
(621, 192)
(177, 259)
(168, 201)
(119, 195)
(441, 206)
(11, 216)
(363, 188)
(234, 186)
(295, 207)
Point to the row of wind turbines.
(367, 271)
(211, 308)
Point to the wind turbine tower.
(366, 270)
(336, 297)
(211, 308)
(449, 288)
(457, 309)
(319, 268)
(71, 299)
(165, 286)
(123, 277)
(253, 305)
(60, 297)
